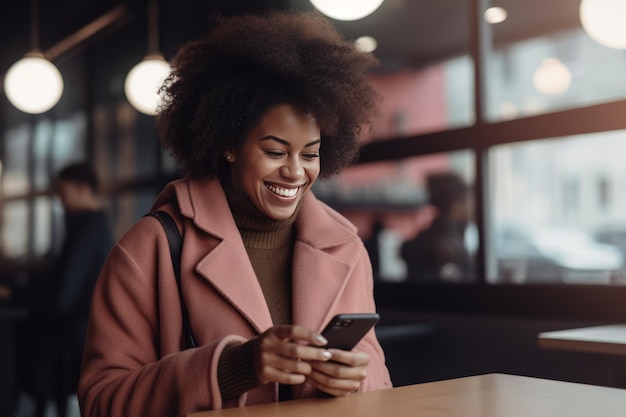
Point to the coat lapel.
(319, 276)
(229, 270)
(227, 266)
(316, 275)
(317, 271)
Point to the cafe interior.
(523, 103)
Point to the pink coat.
(133, 364)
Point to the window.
(557, 71)
(422, 100)
(15, 230)
(550, 211)
(15, 164)
(415, 215)
(545, 165)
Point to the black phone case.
(344, 331)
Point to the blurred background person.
(439, 253)
(59, 304)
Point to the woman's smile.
(283, 192)
(278, 161)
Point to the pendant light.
(552, 77)
(603, 20)
(144, 79)
(33, 84)
(346, 9)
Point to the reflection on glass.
(391, 204)
(604, 21)
(438, 252)
(585, 73)
(424, 100)
(558, 210)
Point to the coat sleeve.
(124, 370)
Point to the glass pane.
(549, 62)
(424, 100)
(145, 143)
(69, 141)
(103, 143)
(426, 74)
(128, 208)
(169, 164)
(42, 226)
(15, 161)
(558, 210)
(42, 141)
(415, 215)
(15, 229)
(125, 146)
(127, 150)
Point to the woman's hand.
(341, 376)
(284, 354)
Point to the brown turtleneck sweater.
(269, 244)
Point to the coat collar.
(316, 271)
(204, 201)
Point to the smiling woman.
(278, 161)
(255, 111)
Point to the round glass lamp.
(346, 9)
(143, 82)
(552, 77)
(33, 84)
(495, 15)
(603, 20)
(366, 44)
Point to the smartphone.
(344, 331)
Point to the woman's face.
(278, 161)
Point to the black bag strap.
(176, 246)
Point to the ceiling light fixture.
(346, 9)
(495, 15)
(33, 84)
(144, 79)
(603, 20)
(366, 44)
(552, 77)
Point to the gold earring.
(229, 157)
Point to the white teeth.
(283, 192)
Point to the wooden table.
(492, 395)
(610, 339)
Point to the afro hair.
(301, 57)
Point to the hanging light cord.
(34, 25)
(153, 27)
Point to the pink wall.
(414, 102)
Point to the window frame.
(570, 301)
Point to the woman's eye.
(311, 155)
(274, 154)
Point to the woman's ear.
(229, 154)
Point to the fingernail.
(327, 354)
(322, 339)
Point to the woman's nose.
(292, 169)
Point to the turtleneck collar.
(258, 230)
